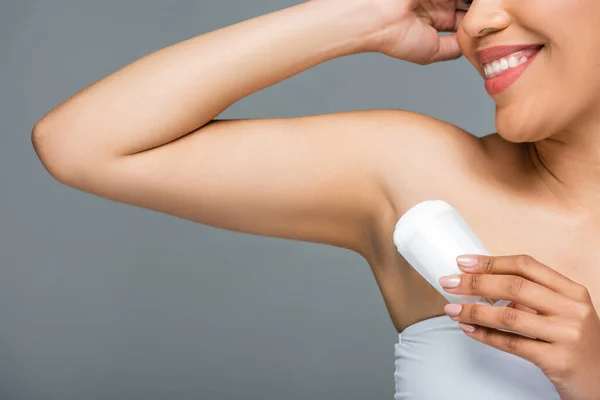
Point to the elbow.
(53, 152)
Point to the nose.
(484, 17)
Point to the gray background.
(100, 300)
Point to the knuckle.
(513, 344)
(515, 285)
(584, 311)
(473, 313)
(583, 293)
(574, 334)
(562, 366)
(487, 265)
(474, 282)
(509, 317)
(488, 336)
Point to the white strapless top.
(435, 360)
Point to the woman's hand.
(558, 316)
(409, 29)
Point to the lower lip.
(501, 82)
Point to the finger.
(460, 15)
(523, 308)
(530, 349)
(513, 320)
(448, 49)
(530, 269)
(514, 288)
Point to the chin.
(521, 126)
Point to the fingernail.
(466, 261)
(450, 281)
(453, 309)
(466, 327)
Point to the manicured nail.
(450, 281)
(466, 327)
(453, 309)
(467, 261)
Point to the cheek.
(580, 63)
(569, 91)
(562, 91)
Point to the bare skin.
(146, 136)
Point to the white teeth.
(502, 64)
(495, 66)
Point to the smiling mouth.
(499, 77)
(504, 64)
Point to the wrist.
(358, 22)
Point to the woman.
(146, 136)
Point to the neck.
(569, 164)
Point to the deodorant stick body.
(430, 236)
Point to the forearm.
(178, 89)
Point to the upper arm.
(323, 178)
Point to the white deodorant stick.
(430, 236)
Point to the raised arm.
(146, 135)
